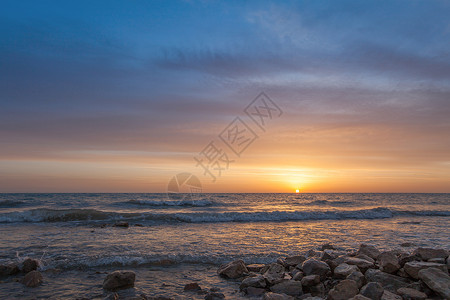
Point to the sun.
(297, 191)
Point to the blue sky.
(149, 80)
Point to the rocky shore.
(326, 273)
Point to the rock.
(310, 280)
(413, 267)
(9, 269)
(411, 294)
(365, 257)
(289, 287)
(294, 260)
(311, 298)
(388, 262)
(255, 267)
(317, 290)
(329, 255)
(407, 244)
(360, 297)
(29, 265)
(358, 277)
(390, 296)
(372, 290)
(276, 296)
(404, 258)
(344, 290)
(193, 286)
(388, 281)
(214, 296)
(362, 264)
(369, 250)
(344, 269)
(274, 273)
(429, 253)
(234, 269)
(448, 262)
(253, 291)
(313, 253)
(438, 260)
(121, 224)
(256, 281)
(298, 276)
(436, 280)
(316, 267)
(327, 246)
(32, 279)
(119, 280)
(402, 273)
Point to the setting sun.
(297, 191)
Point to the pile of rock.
(29, 267)
(337, 275)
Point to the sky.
(121, 96)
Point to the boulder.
(256, 281)
(388, 281)
(329, 255)
(362, 264)
(274, 273)
(29, 265)
(344, 290)
(234, 269)
(214, 296)
(360, 297)
(369, 250)
(298, 276)
(118, 280)
(429, 253)
(327, 246)
(317, 290)
(289, 287)
(255, 267)
(32, 279)
(254, 291)
(193, 286)
(294, 260)
(388, 262)
(9, 269)
(365, 257)
(344, 269)
(411, 294)
(277, 296)
(438, 260)
(412, 268)
(436, 280)
(358, 277)
(315, 267)
(390, 296)
(310, 280)
(372, 290)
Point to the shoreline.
(329, 272)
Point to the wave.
(330, 203)
(184, 202)
(11, 203)
(67, 215)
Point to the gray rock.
(255, 267)
(438, 260)
(344, 269)
(388, 262)
(358, 277)
(436, 280)
(256, 281)
(234, 269)
(29, 265)
(9, 269)
(32, 279)
(310, 280)
(411, 294)
(119, 280)
(289, 287)
(429, 253)
(294, 260)
(372, 290)
(365, 257)
(277, 296)
(388, 281)
(412, 268)
(317, 290)
(390, 296)
(362, 264)
(214, 296)
(344, 290)
(369, 250)
(315, 267)
(253, 291)
(274, 273)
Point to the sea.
(174, 241)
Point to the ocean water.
(173, 242)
